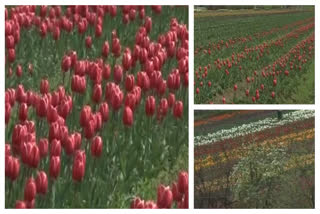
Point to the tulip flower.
(30, 190)
(20, 205)
(150, 105)
(127, 116)
(42, 183)
(178, 109)
(96, 146)
(78, 168)
(54, 168)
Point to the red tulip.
(85, 115)
(54, 168)
(223, 100)
(273, 94)
(88, 42)
(19, 71)
(126, 59)
(97, 93)
(130, 100)
(150, 105)
(78, 169)
(98, 31)
(235, 87)
(117, 73)
(30, 190)
(116, 98)
(30, 154)
(247, 92)
(183, 182)
(69, 145)
(89, 129)
(148, 23)
(23, 112)
(129, 83)
(106, 71)
(165, 197)
(171, 99)
(274, 82)
(178, 109)
(177, 196)
(44, 86)
(127, 116)
(104, 110)
(105, 49)
(116, 47)
(7, 112)
(137, 203)
(253, 99)
(41, 106)
(20, 205)
(262, 86)
(55, 148)
(12, 167)
(96, 146)
(43, 147)
(11, 55)
(42, 183)
(66, 63)
(286, 72)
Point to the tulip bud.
(43, 147)
(105, 49)
(88, 42)
(44, 86)
(183, 182)
(171, 99)
(127, 116)
(79, 163)
(150, 105)
(23, 112)
(20, 205)
(12, 167)
(165, 197)
(55, 149)
(30, 190)
(148, 24)
(106, 71)
(11, 55)
(129, 82)
(178, 109)
(69, 145)
(137, 203)
(97, 93)
(177, 196)
(85, 115)
(42, 183)
(117, 73)
(7, 112)
(96, 146)
(104, 110)
(116, 47)
(66, 63)
(54, 168)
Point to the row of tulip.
(238, 153)
(215, 185)
(244, 129)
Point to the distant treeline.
(239, 7)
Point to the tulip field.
(254, 159)
(254, 56)
(96, 106)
